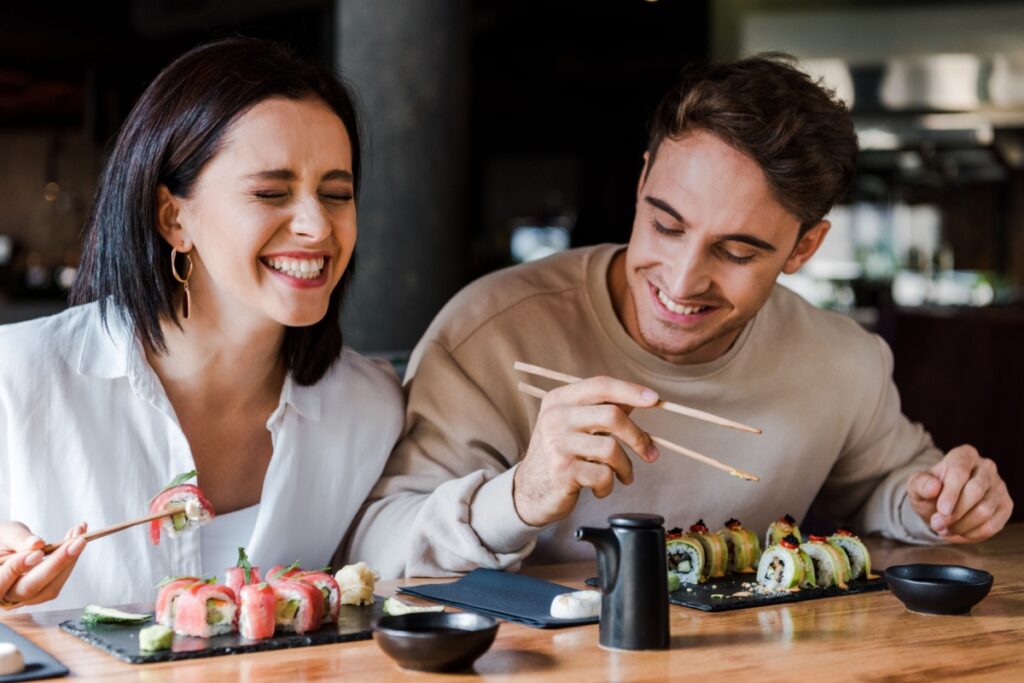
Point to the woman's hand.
(28, 577)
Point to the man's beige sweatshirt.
(818, 385)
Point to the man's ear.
(168, 210)
(805, 247)
(643, 175)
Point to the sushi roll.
(169, 590)
(831, 566)
(856, 551)
(242, 574)
(328, 588)
(257, 611)
(299, 606)
(280, 571)
(206, 610)
(744, 548)
(785, 567)
(716, 553)
(197, 512)
(780, 528)
(685, 556)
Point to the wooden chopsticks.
(50, 547)
(537, 392)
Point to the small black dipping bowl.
(938, 588)
(435, 641)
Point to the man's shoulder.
(494, 299)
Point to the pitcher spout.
(607, 547)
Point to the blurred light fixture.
(533, 242)
(947, 82)
(51, 191)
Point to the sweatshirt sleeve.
(866, 489)
(444, 503)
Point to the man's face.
(708, 242)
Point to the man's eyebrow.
(747, 239)
(287, 174)
(664, 206)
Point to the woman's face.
(272, 217)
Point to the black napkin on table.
(513, 597)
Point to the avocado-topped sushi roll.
(785, 567)
(168, 591)
(831, 567)
(197, 509)
(242, 574)
(780, 528)
(299, 608)
(257, 610)
(856, 551)
(743, 546)
(328, 588)
(685, 556)
(716, 553)
(206, 610)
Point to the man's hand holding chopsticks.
(574, 446)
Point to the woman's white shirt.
(87, 434)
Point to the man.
(744, 162)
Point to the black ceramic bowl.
(938, 588)
(435, 641)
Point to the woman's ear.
(805, 247)
(168, 210)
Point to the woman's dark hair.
(172, 133)
(764, 107)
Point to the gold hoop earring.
(186, 301)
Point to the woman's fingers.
(31, 587)
(16, 566)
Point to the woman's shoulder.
(50, 337)
(364, 383)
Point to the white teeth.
(305, 269)
(678, 308)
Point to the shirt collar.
(305, 400)
(106, 344)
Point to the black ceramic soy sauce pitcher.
(633, 581)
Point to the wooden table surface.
(868, 637)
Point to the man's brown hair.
(800, 136)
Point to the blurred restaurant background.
(501, 132)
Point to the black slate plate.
(354, 623)
(38, 662)
(699, 596)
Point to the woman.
(206, 337)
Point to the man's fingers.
(597, 390)
(595, 476)
(984, 510)
(986, 529)
(974, 491)
(610, 419)
(959, 467)
(604, 449)
(923, 487)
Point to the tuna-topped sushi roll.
(299, 608)
(780, 528)
(328, 588)
(167, 595)
(785, 567)
(206, 610)
(196, 509)
(280, 571)
(257, 611)
(831, 567)
(685, 556)
(242, 574)
(716, 553)
(856, 551)
(744, 548)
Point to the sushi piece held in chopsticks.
(356, 582)
(328, 588)
(856, 551)
(206, 610)
(299, 606)
(831, 567)
(744, 548)
(785, 567)
(716, 553)
(684, 556)
(257, 611)
(197, 509)
(780, 528)
(168, 592)
(242, 574)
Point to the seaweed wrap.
(328, 588)
(716, 553)
(299, 608)
(856, 551)
(831, 566)
(743, 546)
(780, 528)
(257, 609)
(242, 574)
(169, 590)
(206, 610)
(685, 556)
(197, 512)
(785, 567)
